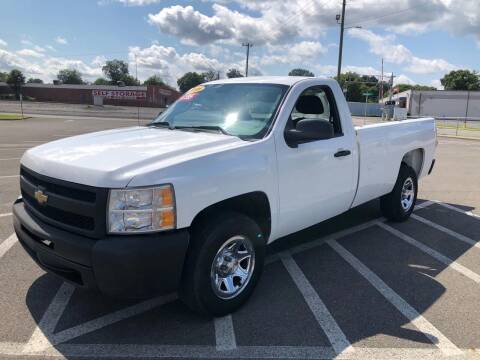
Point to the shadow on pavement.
(277, 314)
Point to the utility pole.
(248, 45)
(391, 87)
(340, 48)
(381, 83)
(136, 79)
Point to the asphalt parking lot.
(354, 287)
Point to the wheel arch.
(253, 204)
(415, 159)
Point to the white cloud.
(403, 79)
(193, 27)
(30, 53)
(386, 47)
(437, 84)
(129, 2)
(36, 64)
(61, 40)
(138, 2)
(3, 43)
(428, 66)
(277, 21)
(304, 53)
(51, 48)
(383, 46)
(38, 48)
(169, 64)
(99, 61)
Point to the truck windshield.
(243, 110)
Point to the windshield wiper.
(204, 127)
(160, 124)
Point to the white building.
(440, 103)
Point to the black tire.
(196, 289)
(391, 204)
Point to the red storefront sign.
(121, 94)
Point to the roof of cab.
(281, 80)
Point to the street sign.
(367, 94)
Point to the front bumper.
(128, 266)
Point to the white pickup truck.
(189, 202)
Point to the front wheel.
(223, 264)
(399, 204)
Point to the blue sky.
(419, 40)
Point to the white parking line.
(313, 244)
(242, 352)
(225, 333)
(7, 244)
(323, 316)
(454, 208)
(460, 237)
(45, 328)
(422, 324)
(109, 319)
(5, 214)
(433, 253)
(9, 176)
(8, 159)
(424, 205)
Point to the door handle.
(342, 153)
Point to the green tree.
(3, 76)
(129, 80)
(101, 81)
(405, 87)
(115, 71)
(461, 80)
(154, 80)
(234, 73)
(16, 79)
(189, 80)
(210, 75)
(70, 76)
(34, 81)
(301, 72)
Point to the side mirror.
(309, 130)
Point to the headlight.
(141, 210)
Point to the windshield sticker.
(196, 89)
(188, 97)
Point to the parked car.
(189, 202)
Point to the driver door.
(317, 178)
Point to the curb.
(459, 137)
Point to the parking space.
(354, 287)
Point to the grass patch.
(12, 117)
(452, 127)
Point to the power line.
(372, 19)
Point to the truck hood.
(112, 158)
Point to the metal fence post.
(466, 110)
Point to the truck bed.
(381, 149)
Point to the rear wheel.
(399, 204)
(223, 265)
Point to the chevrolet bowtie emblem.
(41, 197)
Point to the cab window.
(316, 103)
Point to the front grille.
(70, 206)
